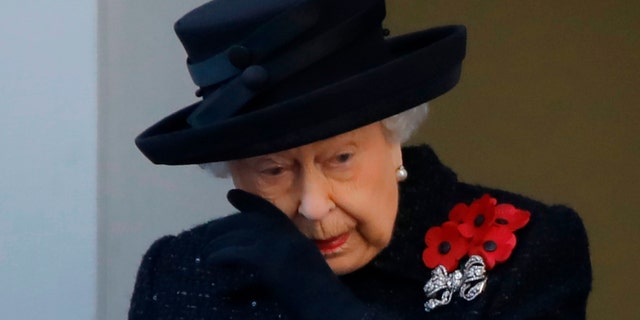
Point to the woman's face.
(340, 192)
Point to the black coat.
(548, 275)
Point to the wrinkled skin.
(344, 186)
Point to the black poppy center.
(479, 220)
(444, 247)
(502, 221)
(490, 246)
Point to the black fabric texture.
(548, 275)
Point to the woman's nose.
(315, 199)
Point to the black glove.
(262, 241)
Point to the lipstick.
(331, 245)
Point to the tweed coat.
(548, 275)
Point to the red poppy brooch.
(482, 231)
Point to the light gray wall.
(142, 78)
(47, 155)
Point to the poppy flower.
(458, 212)
(511, 217)
(476, 220)
(445, 246)
(484, 228)
(483, 231)
(495, 246)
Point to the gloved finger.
(251, 204)
(230, 256)
(235, 239)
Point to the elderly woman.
(306, 104)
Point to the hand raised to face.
(340, 192)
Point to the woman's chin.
(345, 261)
(342, 268)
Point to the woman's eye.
(273, 171)
(343, 157)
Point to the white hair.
(398, 128)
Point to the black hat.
(277, 74)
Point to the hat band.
(232, 96)
(266, 39)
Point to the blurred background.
(547, 107)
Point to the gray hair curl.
(398, 128)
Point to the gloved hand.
(263, 241)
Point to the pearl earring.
(401, 173)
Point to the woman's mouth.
(331, 245)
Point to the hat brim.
(423, 66)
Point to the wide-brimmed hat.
(277, 74)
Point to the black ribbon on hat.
(265, 40)
(242, 87)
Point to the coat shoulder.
(171, 279)
(549, 272)
(550, 225)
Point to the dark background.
(548, 107)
